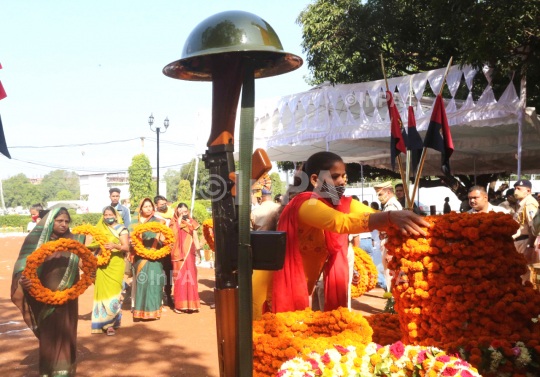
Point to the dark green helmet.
(232, 32)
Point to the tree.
(60, 180)
(343, 39)
(203, 177)
(140, 179)
(172, 177)
(19, 191)
(184, 191)
(65, 195)
(276, 184)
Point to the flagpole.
(401, 172)
(424, 151)
(408, 163)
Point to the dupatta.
(183, 234)
(290, 291)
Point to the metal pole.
(362, 179)
(194, 183)
(157, 132)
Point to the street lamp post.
(157, 130)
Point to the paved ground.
(176, 345)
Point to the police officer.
(527, 207)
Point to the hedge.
(76, 220)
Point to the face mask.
(163, 208)
(34, 218)
(109, 221)
(185, 217)
(520, 194)
(334, 192)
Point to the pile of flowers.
(367, 271)
(392, 360)
(462, 282)
(385, 328)
(11, 229)
(283, 336)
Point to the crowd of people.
(322, 227)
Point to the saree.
(148, 278)
(186, 290)
(54, 325)
(106, 311)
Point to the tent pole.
(327, 146)
(474, 166)
(361, 179)
(194, 183)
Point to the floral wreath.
(153, 254)
(367, 270)
(209, 236)
(34, 260)
(100, 238)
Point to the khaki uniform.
(262, 213)
(524, 216)
(392, 205)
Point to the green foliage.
(85, 218)
(287, 165)
(276, 185)
(343, 39)
(65, 195)
(140, 179)
(172, 177)
(59, 180)
(188, 172)
(15, 221)
(19, 191)
(184, 191)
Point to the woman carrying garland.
(54, 326)
(317, 222)
(107, 313)
(148, 277)
(186, 291)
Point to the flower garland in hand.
(280, 337)
(209, 235)
(34, 260)
(155, 227)
(364, 266)
(100, 238)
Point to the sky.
(91, 72)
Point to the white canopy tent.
(352, 121)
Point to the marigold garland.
(154, 227)
(99, 237)
(367, 271)
(208, 235)
(396, 360)
(34, 260)
(280, 337)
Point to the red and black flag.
(398, 136)
(438, 134)
(414, 141)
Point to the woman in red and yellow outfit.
(318, 221)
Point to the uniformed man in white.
(385, 194)
(524, 238)
(478, 200)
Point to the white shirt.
(491, 208)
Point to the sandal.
(110, 331)
(178, 311)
